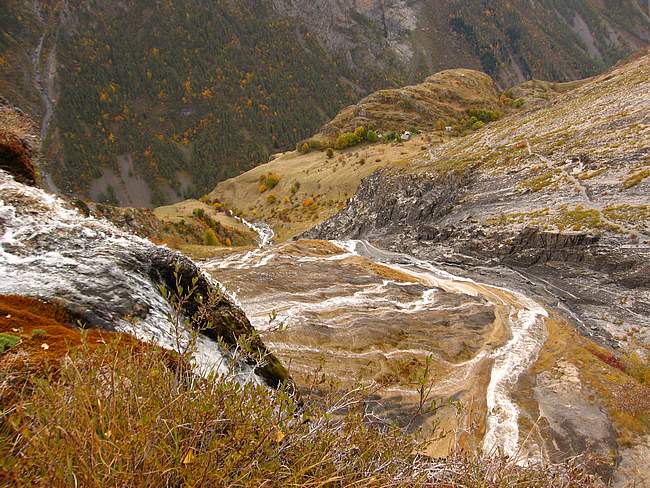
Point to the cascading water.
(316, 300)
(50, 251)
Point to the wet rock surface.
(112, 280)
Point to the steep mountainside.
(143, 103)
(549, 205)
(511, 41)
(559, 191)
(553, 201)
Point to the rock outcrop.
(554, 199)
(441, 100)
(18, 144)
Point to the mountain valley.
(329, 243)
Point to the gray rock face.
(425, 216)
(415, 38)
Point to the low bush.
(372, 136)
(347, 139)
(360, 134)
(269, 181)
(210, 238)
(7, 341)
(484, 115)
(38, 333)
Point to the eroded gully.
(361, 313)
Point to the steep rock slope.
(559, 193)
(511, 41)
(553, 201)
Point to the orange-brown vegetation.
(20, 316)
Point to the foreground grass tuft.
(115, 416)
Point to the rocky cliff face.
(554, 198)
(511, 41)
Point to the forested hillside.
(167, 98)
(144, 103)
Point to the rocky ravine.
(554, 202)
(555, 199)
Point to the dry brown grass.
(116, 416)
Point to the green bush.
(330, 153)
(7, 341)
(371, 136)
(38, 333)
(347, 139)
(360, 132)
(391, 136)
(483, 115)
(210, 238)
(479, 124)
(269, 181)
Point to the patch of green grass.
(628, 213)
(38, 333)
(581, 218)
(540, 182)
(7, 341)
(518, 217)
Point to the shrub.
(483, 115)
(479, 124)
(7, 341)
(199, 213)
(308, 202)
(391, 136)
(330, 153)
(38, 333)
(210, 238)
(268, 182)
(360, 132)
(271, 199)
(371, 136)
(345, 140)
(308, 145)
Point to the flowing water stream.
(362, 313)
(356, 311)
(49, 251)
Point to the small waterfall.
(263, 230)
(99, 272)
